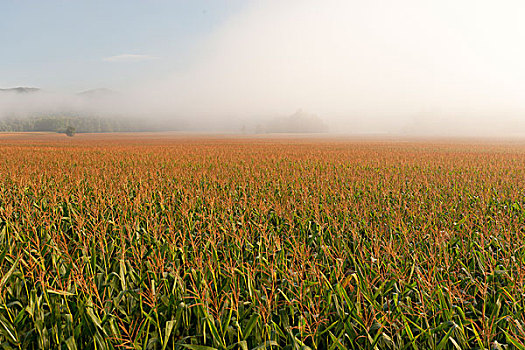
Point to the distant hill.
(86, 123)
(20, 90)
(101, 92)
(299, 122)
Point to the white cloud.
(129, 58)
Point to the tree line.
(80, 124)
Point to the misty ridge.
(97, 110)
(299, 122)
(105, 110)
(25, 109)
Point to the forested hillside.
(82, 124)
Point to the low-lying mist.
(409, 67)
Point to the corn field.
(201, 243)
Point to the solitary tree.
(70, 131)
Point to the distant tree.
(44, 124)
(299, 122)
(70, 131)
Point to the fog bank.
(416, 67)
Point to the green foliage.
(70, 131)
(232, 245)
(83, 124)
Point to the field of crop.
(144, 242)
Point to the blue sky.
(71, 45)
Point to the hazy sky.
(365, 64)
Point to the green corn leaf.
(167, 333)
(443, 343)
(6, 277)
(250, 325)
(198, 347)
